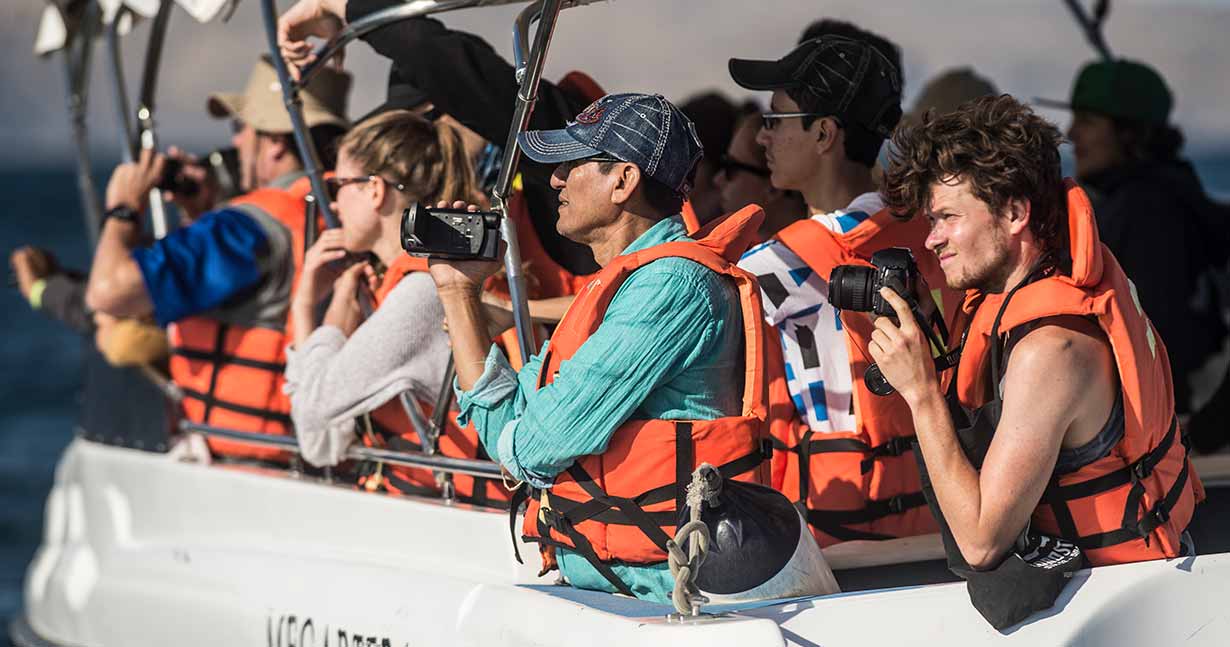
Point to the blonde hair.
(427, 158)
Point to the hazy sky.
(676, 47)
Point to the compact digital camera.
(857, 287)
(451, 233)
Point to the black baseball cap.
(841, 76)
(402, 95)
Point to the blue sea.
(40, 360)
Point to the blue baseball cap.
(642, 129)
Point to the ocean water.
(40, 360)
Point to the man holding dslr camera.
(225, 280)
(1058, 428)
(651, 357)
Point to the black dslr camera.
(857, 288)
(451, 233)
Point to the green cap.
(1122, 88)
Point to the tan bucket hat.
(261, 106)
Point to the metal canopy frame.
(144, 135)
(1092, 25)
(78, 54)
(529, 73)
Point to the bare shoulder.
(1064, 367)
(1075, 345)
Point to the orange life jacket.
(859, 483)
(391, 428)
(1132, 504)
(231, 374)
(621, 505)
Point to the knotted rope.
(694, 536)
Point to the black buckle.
(766, 448)
(558, 521)
(896, 505)
(1141, 469)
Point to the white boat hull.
(140, 549)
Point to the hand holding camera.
(463, 243)
(894, 289)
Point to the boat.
(147, 541)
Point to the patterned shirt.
(813, 343)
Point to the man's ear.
(828, 134)
(1018, 212)
(626, 181)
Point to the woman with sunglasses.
(345, 375)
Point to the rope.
(694, 536)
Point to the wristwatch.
(122, 214)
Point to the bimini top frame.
(529, 72)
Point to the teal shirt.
(669, 347)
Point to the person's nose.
(559, 178)
(935, 237)
(762, 138)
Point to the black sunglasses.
(730, 166)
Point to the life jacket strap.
(223, 359)
(211, 402)
(1133, 526)
(836, 523)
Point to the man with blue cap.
(643, 378)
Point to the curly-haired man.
(1059, 421)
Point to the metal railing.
(436, 462)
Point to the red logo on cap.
(591, 115)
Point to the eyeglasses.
(769, 119)
(730, 166)
(333, 185)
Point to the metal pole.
(148, 139)
(294, 106)
(526, 97)
(370, 23)
(77, 56)
(481, 469)
(521, 36)
(1092, 27)
(120, 88)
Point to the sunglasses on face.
(769, 119)
(731, 166)
(568, 166)
(333, 185)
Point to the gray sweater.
(331, 380)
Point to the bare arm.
(115, 284)
(1048, 379)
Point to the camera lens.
(850, 287)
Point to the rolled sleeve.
(198, 267)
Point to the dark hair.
(714, 117)
(833, 27)
(661, 198)
(324, 140)
(997, 144)
(861, 144)
(1147, 141)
